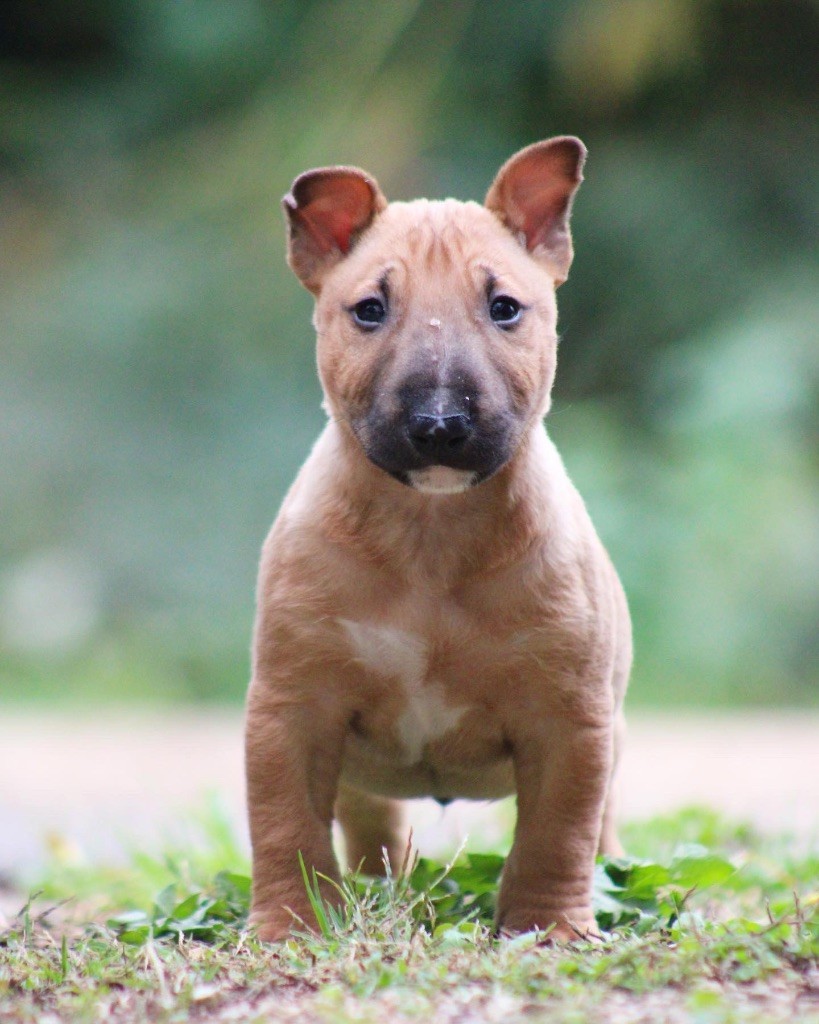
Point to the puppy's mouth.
(434, 464)
(441, 480)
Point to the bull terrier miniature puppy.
(436, 614)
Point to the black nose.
(434, 435)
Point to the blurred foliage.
(158, 389)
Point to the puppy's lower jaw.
(441, 480)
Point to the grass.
(712, 924)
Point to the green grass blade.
(315, 898)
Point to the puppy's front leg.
(293, 758)
(562, 772)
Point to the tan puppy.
(436, 615)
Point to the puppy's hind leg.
(370, 825)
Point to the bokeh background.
(157, 382)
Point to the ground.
(719, 932)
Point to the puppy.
(436, 614)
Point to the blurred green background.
(158, 389)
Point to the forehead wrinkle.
(446, 258)
(432, 258)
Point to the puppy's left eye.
(369, 313)
(505, 311)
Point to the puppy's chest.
(424, 694)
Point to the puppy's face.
(436, 321)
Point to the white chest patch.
(387, 651)
(402, 656)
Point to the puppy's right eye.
(505, 311)
(369, 313)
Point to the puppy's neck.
(442, 537)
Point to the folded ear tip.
(573, 151)
(300, 190)
(580, 148)
(338, 179)
(572, 142)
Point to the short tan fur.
(436, 615)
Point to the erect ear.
(532, 194)
(327, 209)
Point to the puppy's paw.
(574, 931)
(559, 928)
(270, 932)
(280, 924)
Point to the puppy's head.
(436, 321)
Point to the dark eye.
(369, 313)
(505, 310)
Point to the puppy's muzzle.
(436, 438)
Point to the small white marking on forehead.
(386, 650)
(441, 480)
(435, 322)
